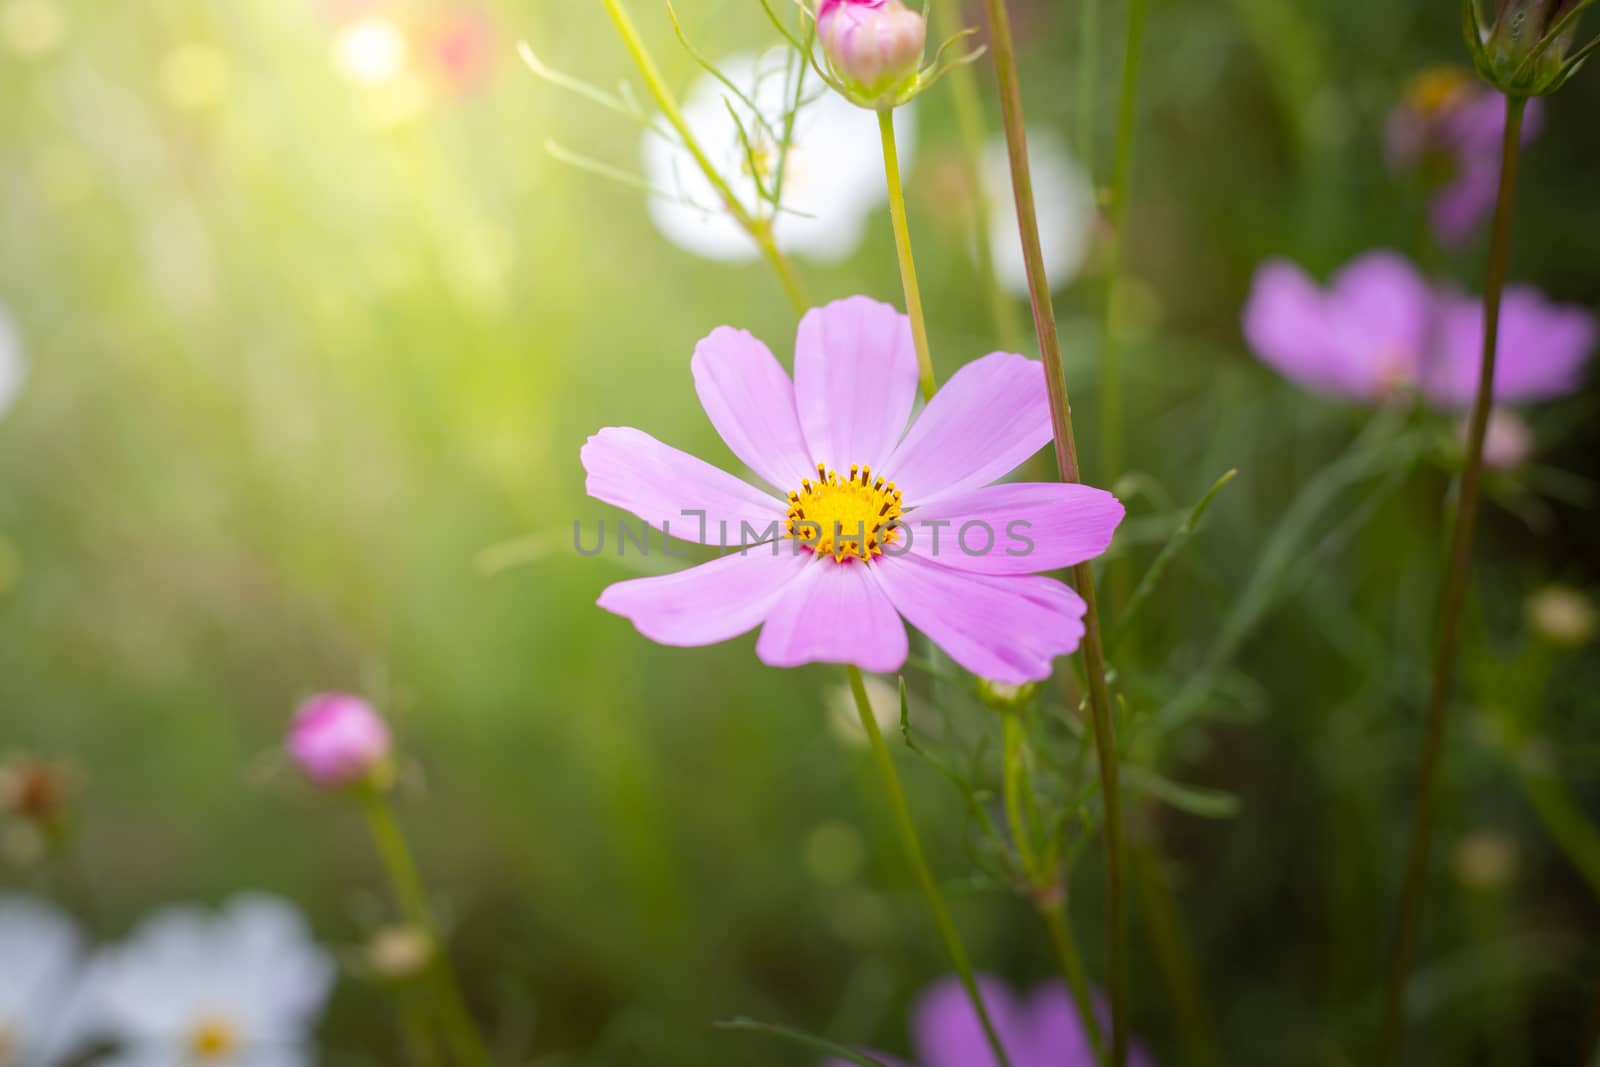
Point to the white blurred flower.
(40, 981)
(1063, 201)
(12, 367)
(371, 51)
(833, 176)
(192, 987)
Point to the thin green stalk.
(1173, 954)
(912, 845)
(1455, 595)
(759, 230)
(969, 119)
(902, 247)
(1566, 821)
(1043, 883)
(1044, 320)
(1088, 75)
(460, 1032)
(1117, 212)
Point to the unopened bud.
(1507, 440)
(1522, 53)
(339, 740)
(1562, 616)
(1004, 697)
(399, 952)
(873, 46)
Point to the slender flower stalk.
(902, 245)
(460, 1032)
(969, 120)
(1005, 62)
(1088, 74)
(759, 231)
(912, 845)
(1042, 881)
(1455, 594)
(1121, 173)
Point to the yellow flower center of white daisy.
(213, 1039)
(842, 516)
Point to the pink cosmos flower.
(1380, 328)
(1038, 1031)
(1450, 127)
(866, 526)
(871, 44)
(339, 740)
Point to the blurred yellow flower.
(31, 28)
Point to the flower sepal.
(1526, 50)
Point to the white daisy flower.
(832, 178)
(12, 368)
(1063, 200)
(40, 979)
(193, 988)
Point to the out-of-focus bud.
(1525, 50)
(35, 792)
(1486, 860)
(399, 952)
(1562, 616)
(1507, 440)
(1003, 697)
(339, 740)
(874, 47)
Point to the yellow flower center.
(213, 1039)
(844, 516)
(1436, 89)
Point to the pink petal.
(834, 613)
(1008, 629)
(1019, 528)
(991, 415)
(713, 602)
(750, 401)
(1380, 312)
(1543, 350)
(659, 484)
(855, 379)
(1285, 325)
(948, 1032)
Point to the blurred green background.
(310, 362)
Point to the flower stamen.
(213, 1039)
(844, 516)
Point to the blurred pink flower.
(1450, 127)
(463, 48)
(339, 740)
(1042, 1030)
(855, 543)
(1379, 328)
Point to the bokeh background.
(310, 358)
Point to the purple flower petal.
(855, 379)
(1008, 629)
(1020, 528)
(947, 1032)
(659, 483)
(1380, 312)
(1543, 349)
(1457, 210)
(1054, 1032)
(713, 602)
(1285, 325)
(834, 613)
(750, 401)
(990, 416)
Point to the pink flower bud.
(339, 740)
(872, 45)
(1507, 440)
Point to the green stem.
(969, 119)
(902, 246)
(1173, 953)
(461, 1034)
(1455, 593)
(1044, 884)
(919, 863)
(1044, 320)
(759, 230)
(1565, 821)
(1117, 211)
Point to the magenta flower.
(339, 740)
(1379, 328)
(872, 522)
(1450, 127)
(1040, 1031)
(873, 46)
